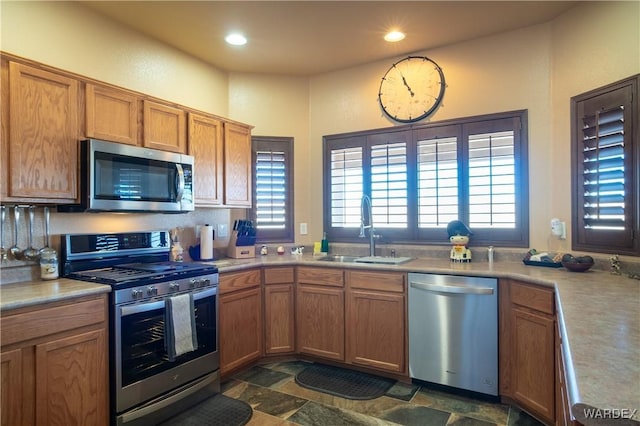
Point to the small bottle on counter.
(490, 254)
(49, 264)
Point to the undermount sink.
(365, 259)
(338, 258)
(383, 260)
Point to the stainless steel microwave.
(123, 178)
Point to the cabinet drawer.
(233, 281)
(46, 321)
(384, 281)
(538, 298)
(320, 276)
(278, 275)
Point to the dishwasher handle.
(455, 289)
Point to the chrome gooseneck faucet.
(365, 208)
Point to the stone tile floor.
(277, 399)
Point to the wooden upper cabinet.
(111, 114)
(42, 149)
(237, 165)
(205, 145)
(164, 127)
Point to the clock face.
(411, 89)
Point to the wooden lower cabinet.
(54, 364)
(527, 350)
(320, 313)
(11, 389)
(279, 311)
(376, 320)
(240, 317)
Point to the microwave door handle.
(179, 182)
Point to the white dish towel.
(180, 325)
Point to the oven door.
(142, 370)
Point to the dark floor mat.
(342, 382)
(219, 410)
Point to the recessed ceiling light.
(236, 39)
(393, 36)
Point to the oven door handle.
(205, 293)
(141, 307)
(159, 304)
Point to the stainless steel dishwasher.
(453, 331)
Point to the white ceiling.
(312, 37)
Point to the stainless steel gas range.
(163, 350)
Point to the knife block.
(241, 247)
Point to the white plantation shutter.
(389, 185)
(492, 191)
(271, 190)
(346, 186)
(603, 169)
(437, 182)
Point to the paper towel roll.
(206, 242)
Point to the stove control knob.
(174, 287)
(192, 284)
(206, 282)
(136, 293)
(152, 291)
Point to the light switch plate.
(303, 229)
(223, 230)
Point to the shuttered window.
(603, 180)
(492, 188)
(420, 178)
(437, 182)
(389, 185)
(272, 210)
(346, 187)
(605, 162)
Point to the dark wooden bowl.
(577, 267)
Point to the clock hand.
(406, 84)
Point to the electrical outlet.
(303, 229)
(223, 230)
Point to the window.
(605, 164)
(420, 178)
(272, 210)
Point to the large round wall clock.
(411, 89)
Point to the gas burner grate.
(112, 274)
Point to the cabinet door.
(164, 127)
(240, 329)
(237, 165)
(373, 318)
(320, 321)
(11, 387)
(43, 135)
(111, 114)
(533, 372)
(205, 144)
(71, 386)
(279, 317)
(376, 312)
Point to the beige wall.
(537, 68)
